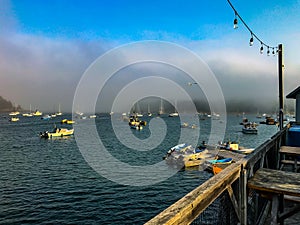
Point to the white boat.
(92, 116)
(250, 128)
(184, 155)
(175, 113)
(14, 113)
(161, 109)
(46, 117)
(149, 113)
(59, 113)
(28, 114)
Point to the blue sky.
(53, 42)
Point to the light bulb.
(235, 23)
(251, 40)
(261, 49)
(273, 52)
(268, 52)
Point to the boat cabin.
(294, 130)
(295, 94)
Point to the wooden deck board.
(290, 150)
(276, 181)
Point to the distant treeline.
(232, 106)
(7, 106)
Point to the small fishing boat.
(250, 128)
(14, 119)
(219, 164)
(184, 156)
(37, 113)
(14, 113)
(57, 132)
(67, 121)
(135, 123)
(217, 168)
(27, 114)
(220, 161)
(174, 114)
(184, 125)
(234, 147)
(47, 117)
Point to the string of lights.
(253, 35)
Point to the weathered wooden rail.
(232, 181)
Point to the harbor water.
(48, 181)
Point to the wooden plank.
(292, 162)
(290, 150)
(188, 208)
(276, 181)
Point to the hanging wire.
(253, 35)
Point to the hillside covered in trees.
(6, 106)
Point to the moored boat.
(14, 119)
(46, 117)
(234, 147)
(67, 121)
(218, 167)
(37, 113)
(135, 123)
(219, 164)
(27, 114)
(174, 114)
(184, 156)
(14, 113)
(250, 128)
(57, 132)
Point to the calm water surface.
(49, 182)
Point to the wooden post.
(243, 195)
(280, 74)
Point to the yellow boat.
(184, 155)
(37, 113)
(57, 132)
(67, 121)
(194, 159)
(14, 119)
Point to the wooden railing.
(188, 208)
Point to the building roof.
(294, 93)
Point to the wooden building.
(295, 94)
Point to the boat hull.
(249, 131)
(58, 133)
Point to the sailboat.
(149, 113)
(161, 109)
(59, 112)
(28, 114)
(175, 113)
(137, 111)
